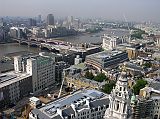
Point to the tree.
(138, 34)
(107, 88)
(100, 77)
(89, 75)
(148, 65)
(139, 85)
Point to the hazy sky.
(141, 10)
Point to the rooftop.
(50, 109)
(79, 66)
(34, 99)
(104, 55)
(11, 77)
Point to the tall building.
(119, 105)
(69, 22)
(1, 22)
(50, 19)
(2, 34)
(16, 32)
(39, 19)
(42, 70)
(32, 22)
(157, 39)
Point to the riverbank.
(7, 42)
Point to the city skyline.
(135, 10)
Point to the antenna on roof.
(128, 28)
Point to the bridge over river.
(51, 45)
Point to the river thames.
(87, 38)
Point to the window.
(101, 108)
(120, 88)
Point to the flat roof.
(11, 77)
(104, 54)
(35, 99)
(50, 108)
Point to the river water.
(87, 38)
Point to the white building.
(83, 104)
(109, 42)
(77, 60)
(119, 100)
(158, 41)
(35, 101)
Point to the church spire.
(119, 99)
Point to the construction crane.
(60, 91)
(130, 32)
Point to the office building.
(157, 39)
(39, 19)
(2, 34)
(146, 105)
(50, 19)
(59, 66)
(14, 86)
(32, 74)
(106, 59)
(77, 60)
(76, 23)
(119, 105)
(110, 42)
(32, 22)
(16, 32)
(77, 82)
(41, 68)
(83, 104)
(1, 22)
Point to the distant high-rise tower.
(50, 19)
(32, 22)
(39, 19)
(1, 22)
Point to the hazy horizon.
(135, 10)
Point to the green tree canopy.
(139, 85)
(89, 75)
(148, 65)
(138, 34)
(100, 77)
(107, 88)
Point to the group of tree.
(147, 65)
(138, 34)
(139, 85)
(89, 75)
(107, 88)
(94, 30)
(99, 78)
